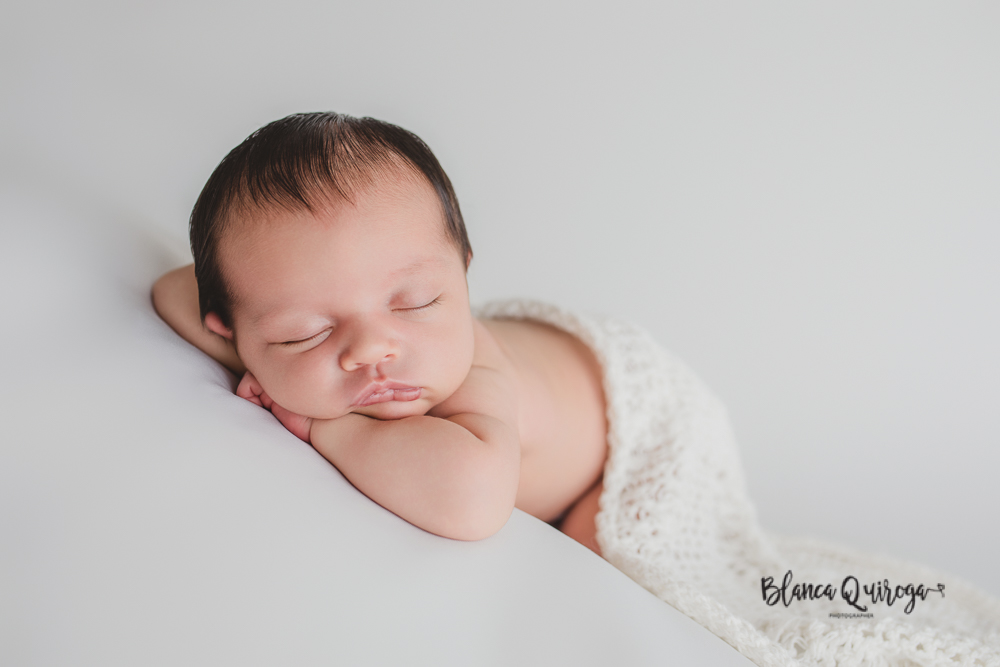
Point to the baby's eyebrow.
(275, 319)
(415, 267)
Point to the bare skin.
(425, 409)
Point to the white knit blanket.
(675, 517)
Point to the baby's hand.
(251, 390)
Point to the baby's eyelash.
(425, 306)
(289, 343)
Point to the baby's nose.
(368, 348)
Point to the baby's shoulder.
(490, 349)
(527, 346)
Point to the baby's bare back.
(562, 421)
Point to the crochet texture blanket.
(675, 517)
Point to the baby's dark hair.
(302, 162)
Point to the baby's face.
(362, 308)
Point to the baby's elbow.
(486, 507)
(480, 525)
(168, 291)
(156, 293)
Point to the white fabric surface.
(675, 516)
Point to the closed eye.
(293, 343)
(423, 307)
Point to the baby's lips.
(411, 394)
(383, 394)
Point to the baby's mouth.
(383, 393)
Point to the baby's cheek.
(455, 356)
(288, 385)
(309, 392)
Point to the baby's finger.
(248, 386)
(254, 399)
(243, 388)
(266, 401)
(299, 426)
(250, 389)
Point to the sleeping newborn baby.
(330, 260)
(330, 273)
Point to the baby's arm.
(175, 297)
(453, 474)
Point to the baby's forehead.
(405, 215)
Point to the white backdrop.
(799, 200)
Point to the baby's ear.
(468, 260)
(214, 324)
